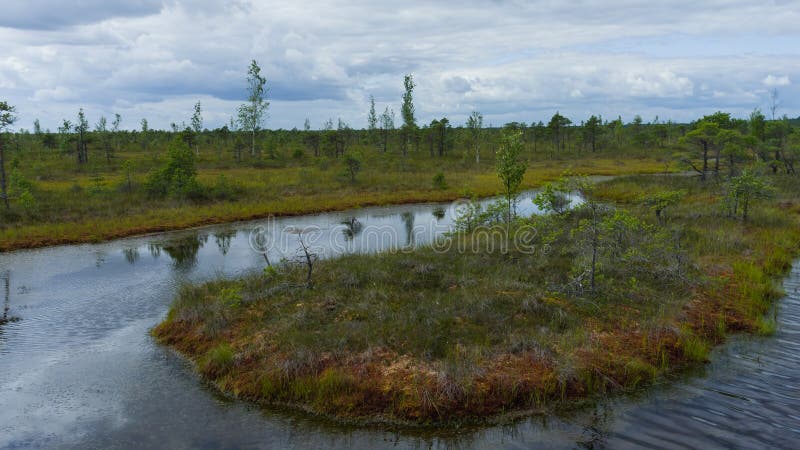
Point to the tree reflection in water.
(352, 228)
(183, 251)
(223, 240)
(6, 318)
(131, 254)
(408, 223)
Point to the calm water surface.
(79, 370)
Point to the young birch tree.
(407, 112)
(197, 126)
(510, 169)
(253, 113)
(475, 126)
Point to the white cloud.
(511, 60)
(775, 81)
(659, 85)
(56, 94)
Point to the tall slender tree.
(409, 127)
(387, 125)
(81, 130)
(510, 169)
(253, 113)
(475, 126)
(372, 117)
(197, 126)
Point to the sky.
(510, 60)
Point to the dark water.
(78, 368)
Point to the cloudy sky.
(511, 60)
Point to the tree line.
(707, 146)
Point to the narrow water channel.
(79, 370)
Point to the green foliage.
(188, 137)
(557, 127)
(439, 181)
(218, 360)
(128, 170)
(703, 137)
(333, 383)
(757, 125)
(178, 176)
(743, 190)
(660, 201)
(270, 272)
(224, 189)
(98, 184)
(19, 183)
(27, 201)
(352, 165)
(693, 347)
(510, 169)
(475, 127)
(197, 118)
(767, 326)
(467, 216)
(409, 127)
(251, 114)
(554, 197)
(592, 130)
(231, 296)
(614, 244)
(407, 108)
(7, 115)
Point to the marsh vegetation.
(478, 327)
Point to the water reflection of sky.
(365, 230)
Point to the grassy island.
(466, 333)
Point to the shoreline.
(77, 231)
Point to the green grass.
(218, 360)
